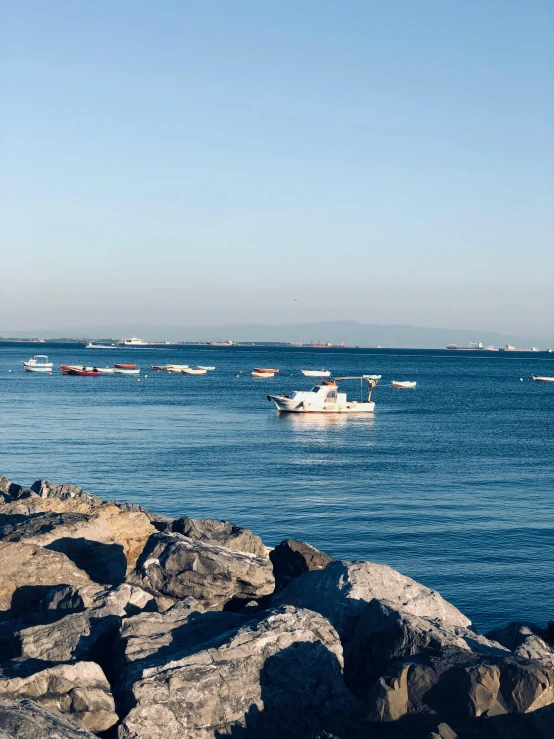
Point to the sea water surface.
(451, 483)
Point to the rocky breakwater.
(119, 623)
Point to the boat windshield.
(315, 389)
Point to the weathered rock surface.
(46, 489)
(10, 491)
(342, 590)
(150, 637)
(174, 566)
(79, 690)
(526, 640)
(82, 635)
(220, 532)
(25, 719)
(280, 676)
(460, 687)
(292, 558)
(28, 571)
(384, 635)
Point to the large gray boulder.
(467, 691)
(25, 719)
(342, 590)
(150, 637)
(174, 566)
(220, 532)
(292, 558)
(526, 640)
(79, 690)
(80, 635)
(10, 491)
(385, 635)
(28, 571)
(276, 677)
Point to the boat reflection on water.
(325, 421)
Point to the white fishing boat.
(191, 371)
(536, 378)
(263, 374)
(325, 398)
(90, 345)
(121, 371)
(200, 366)
(316, 373)
(373, 377)
(38, 363)
(396, 383)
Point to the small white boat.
(90, 345)
(267, 370)
(263, 374)
(316, 373)
(373, 377)
(176, 367)
(396, 383)
(543, 379)
(191, 371)
(105, 370)
(133, 341)
(38, 363)
(200, 366)
(121, 371)
(325, 398)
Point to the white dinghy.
(396, 383)
(325, 398)
(316, 373)
(543, 379)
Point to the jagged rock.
(25, 719)
(10, 491)
(160, 523)
(341, 591)
(280, 676)
(459, 686)
(150, 637)
(526, 640)
(81, 635)
(384, 635)
(443, 731)
(46, 489)
(79, 690)
(291, 559)
(175, 566)
(28, 571)
(220, 532)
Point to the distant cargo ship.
(474, 346)
(511, 348)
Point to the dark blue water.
(451, 483)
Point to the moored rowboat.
(121, 371)
(125, 366)
(395, 383)
(263, 374)
(190, 371)
(262, 370)
(543, 379)
(316, 373)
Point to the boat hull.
(543, 379)
(403, 384)
(289, 405)
(316, 373)
(38, 369)
(120, 371)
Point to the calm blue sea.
(451, 483)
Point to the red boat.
(82, 373)
(125, 366)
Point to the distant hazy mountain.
(351, 333)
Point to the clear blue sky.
(178, 162)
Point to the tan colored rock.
(28, 571)
(26, 719)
